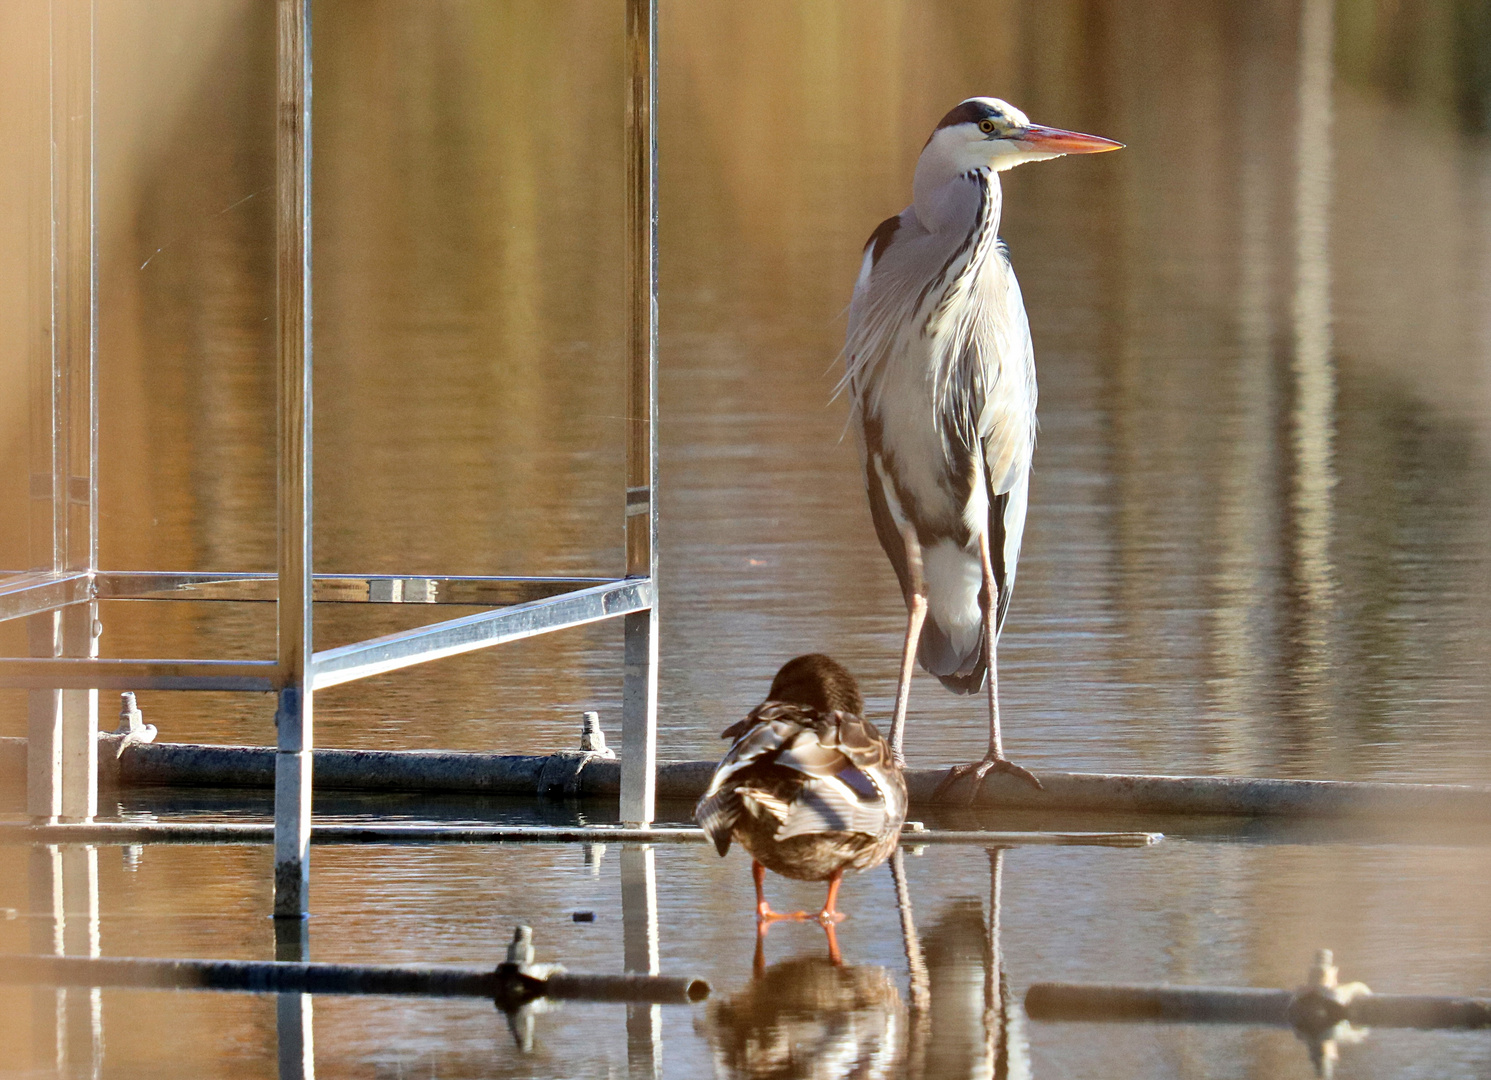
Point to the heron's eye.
(986, 126)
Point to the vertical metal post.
(639, 953)
(639, 689)
(292, 773)
(62, 780)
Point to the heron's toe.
(980, 769)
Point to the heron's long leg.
(991, 645)
(916, 614)
(994, 759)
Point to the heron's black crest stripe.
(969, 112)
(880, 239)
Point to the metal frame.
(60, 599)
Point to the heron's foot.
(980, 769)
(828, 917)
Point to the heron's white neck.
(949, 202)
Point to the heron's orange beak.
(1056, 141)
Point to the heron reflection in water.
(815, 1018)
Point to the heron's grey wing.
(1005, 421)
(885, 297)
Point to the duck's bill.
(1057, 141)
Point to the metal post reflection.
(1313, 417)
(67, 1024)
(644, 1023)
(1248, 524)
(294, 1013)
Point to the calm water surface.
(1259, 539)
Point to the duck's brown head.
(820, 682)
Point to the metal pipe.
(188, 765)
(294, 715)
(332, 667)
(279, 977)
(464, 589)
(638, 781)
(1228, 1005)
(1174, 1004)
(239, 832)
(83, 673)
(34, 592)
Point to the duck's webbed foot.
(980, 769)
(765, 916)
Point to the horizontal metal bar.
(1174, 1004)
(508, 983)
(1029, 838)
(477, 591)
(454, 636)
(43, 590)
(1246, 1005)
(239, 832)
(67, 673)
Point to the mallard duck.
(808, 787)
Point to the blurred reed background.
(1261, 522)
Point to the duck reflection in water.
(808, 787)
(811, 1017)
(818, 1018)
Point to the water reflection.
(810, 1018)
(815, 1017)
(67, 1022)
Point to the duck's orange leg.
(828, 916)
(834, 956)
(764, 914)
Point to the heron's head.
(986, 133)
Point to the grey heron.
(940, 371)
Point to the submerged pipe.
(505, 984)
(244, 832)
(1219, 1005)
(593, 776)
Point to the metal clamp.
(560, 775)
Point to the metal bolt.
(592, 738)
(1323, 972)
(520, 950)
(130, 717)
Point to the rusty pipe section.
(579, 774)
(507, 984)
(1096, 1003)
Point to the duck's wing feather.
(847, 778)
(759, 740)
